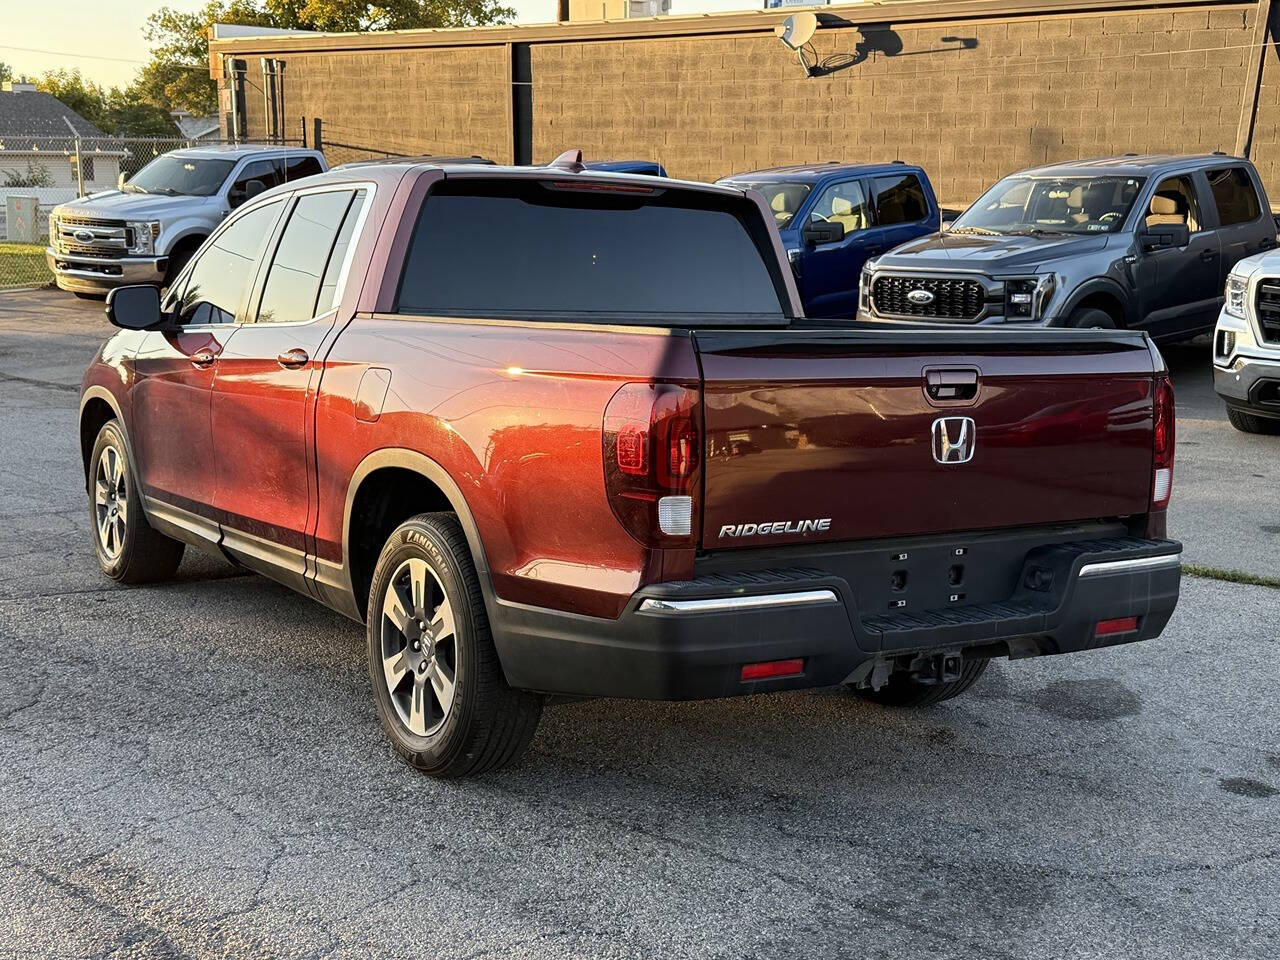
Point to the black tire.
(485, 724)
(1250, 423)
(1086, 318)
(903, 691)
(80, 294)
(128, 549)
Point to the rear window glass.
(1234, 196)
(523, 248)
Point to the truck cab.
(146, 230)
(833, 217)
(1139, 242)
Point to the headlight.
(1237, 288)
(1025, 299)
(864, 285)
(142, 235)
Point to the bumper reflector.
(1118, 625)
(772, 669)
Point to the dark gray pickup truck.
(1140, 242)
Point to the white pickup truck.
(147, 230)
(1246, 345)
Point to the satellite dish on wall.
(797, 30)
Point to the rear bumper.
(690, 640)
(82, 274)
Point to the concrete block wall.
(969, 101)
(450, 100)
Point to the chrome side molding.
(732, 604)
(1136, 565)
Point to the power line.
(96, 56)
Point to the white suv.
(1246, 345)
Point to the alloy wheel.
(110, 501)
(419, 647)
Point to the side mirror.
(822, 231)
(135, 307)
(243, 194)
(121, 181)
(1165, 236)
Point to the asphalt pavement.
(195, 769)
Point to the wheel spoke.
(442, 624)
(442, 683)
(418, 577)
(418, 709)
(117, 528)
(394, 667)
(104, 531)
(100, 493)
(396, 608)
(122, 509)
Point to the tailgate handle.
(952, 385)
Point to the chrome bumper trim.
(1136, 565)
(734, 604)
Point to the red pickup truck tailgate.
(838, 428)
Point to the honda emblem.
(954, 439)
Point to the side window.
(226, 267)
(329, 285)
(295, 168)
(843, 203)
(1234, 196)
(1175, 202)
(899, 200)
(256, 177)
(302, 257)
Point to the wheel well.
(1105, 302)
(385, 499)
(95, 413)
(187, 243)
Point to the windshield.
(785, 197)
(1051, 205)
(180, 176)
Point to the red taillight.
(1118, 625)
(1162, 444)
(772, 669)
(653, 460)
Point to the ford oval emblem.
(86, 236)
(921, 298)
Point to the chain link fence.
(38, 173)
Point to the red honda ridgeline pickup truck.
(556, 433)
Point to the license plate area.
(918, 574)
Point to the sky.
(104, 38)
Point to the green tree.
(177, 76)
(83, 96)
(6, 72)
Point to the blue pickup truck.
(835, 216)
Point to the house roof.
(25, 117)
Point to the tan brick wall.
(969, 100)
(995, 98)
(1266, 128)
(443, 100)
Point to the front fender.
(181, 228)
(1095, 286)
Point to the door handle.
(202, 358)
(293, 359)
(1208, 255)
